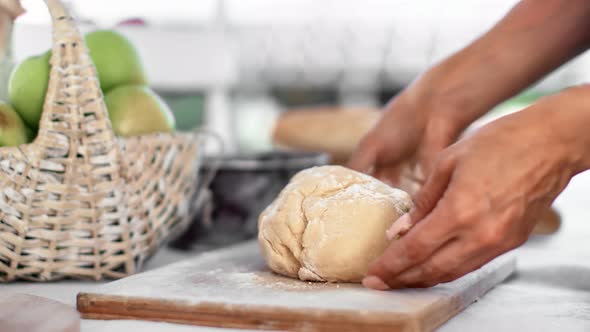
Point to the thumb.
(426, 198)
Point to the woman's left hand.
(486, 192)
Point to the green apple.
(27, 87)
(13, 131)
(137, 110)
(116, 60)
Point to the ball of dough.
(328, 224)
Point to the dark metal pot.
(242, 187)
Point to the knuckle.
(468, 211)
(464, 218)
(413, 251)
(414, 275)
(464, 224)
(493, 236)
(421, 274)
(388, 266)
(462, 221)
(412, 254)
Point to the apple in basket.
(116, 60)
(13, 130)
(134, 109)
(27, 87)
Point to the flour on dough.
(328, 224)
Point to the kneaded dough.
(328, 224)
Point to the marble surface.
(549, 292)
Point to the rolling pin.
(333, 131)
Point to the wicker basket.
(79, 202)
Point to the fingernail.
(375, 283)
(400, 226)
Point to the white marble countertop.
(549, 292)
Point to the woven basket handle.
(74, 113)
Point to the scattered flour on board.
(237, 277)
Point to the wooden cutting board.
(233, 288)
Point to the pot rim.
(265, 161)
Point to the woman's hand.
(486, 192)
(483, 194)
(432, 113)
(415, 127)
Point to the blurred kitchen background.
(216, 61)
(237, 66)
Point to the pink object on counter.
(133, 22)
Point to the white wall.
(293, 42)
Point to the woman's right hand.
(433, 112)
(416, 125)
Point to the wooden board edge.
(434, 317)
(113, 307)
(264, 317)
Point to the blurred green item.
(516, 103)
(187, 109)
